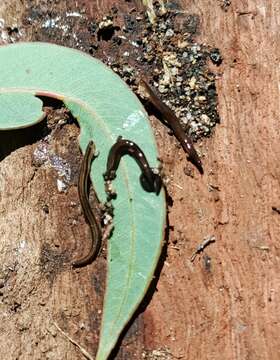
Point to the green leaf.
(20, 110)
(105, 108)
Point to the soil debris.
(165, 50)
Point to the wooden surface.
(230, 311)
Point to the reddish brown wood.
(231, 312)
